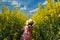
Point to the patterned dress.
(26, 34)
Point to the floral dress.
(26, 34)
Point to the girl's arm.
(30, 29)
(22, 28)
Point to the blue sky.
(27, 6)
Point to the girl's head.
(29, 22)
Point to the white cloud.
(3, 0)
(7, 0)
(32, 11)
(53, 1)
(44, 3)
(15, 3)
(23, 8)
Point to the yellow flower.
(58, 28)
(58, 15)
(59, 32)
(57, 36)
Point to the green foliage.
(11, 23)
(47, 22)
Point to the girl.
(27, 30)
